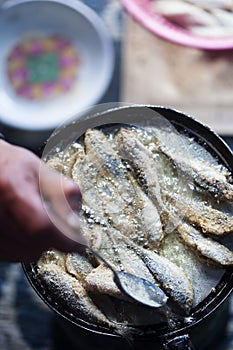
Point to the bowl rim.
(156, 24)
(107, 48)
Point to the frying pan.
(178, 337)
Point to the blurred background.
(142, 67)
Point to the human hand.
(25, 227)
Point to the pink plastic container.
(142, 12)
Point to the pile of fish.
(156, 204)
(203, 17)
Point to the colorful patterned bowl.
(142, 11)
(56, 60)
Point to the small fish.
(192, 161)
(208, 219)
(100, 280)
(150, 225)
(113, 193)
(70, 292)
(211, 178)
(97, 145)
(146, 172)
(171, 278)
(79, 264)
(206, 247)
(143, 163)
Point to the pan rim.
(225, 285)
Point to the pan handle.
(182, 342)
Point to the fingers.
(26, 228)
(20, 243)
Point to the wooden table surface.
(196, 82)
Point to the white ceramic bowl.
(72, 19)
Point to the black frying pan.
(177, 338)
